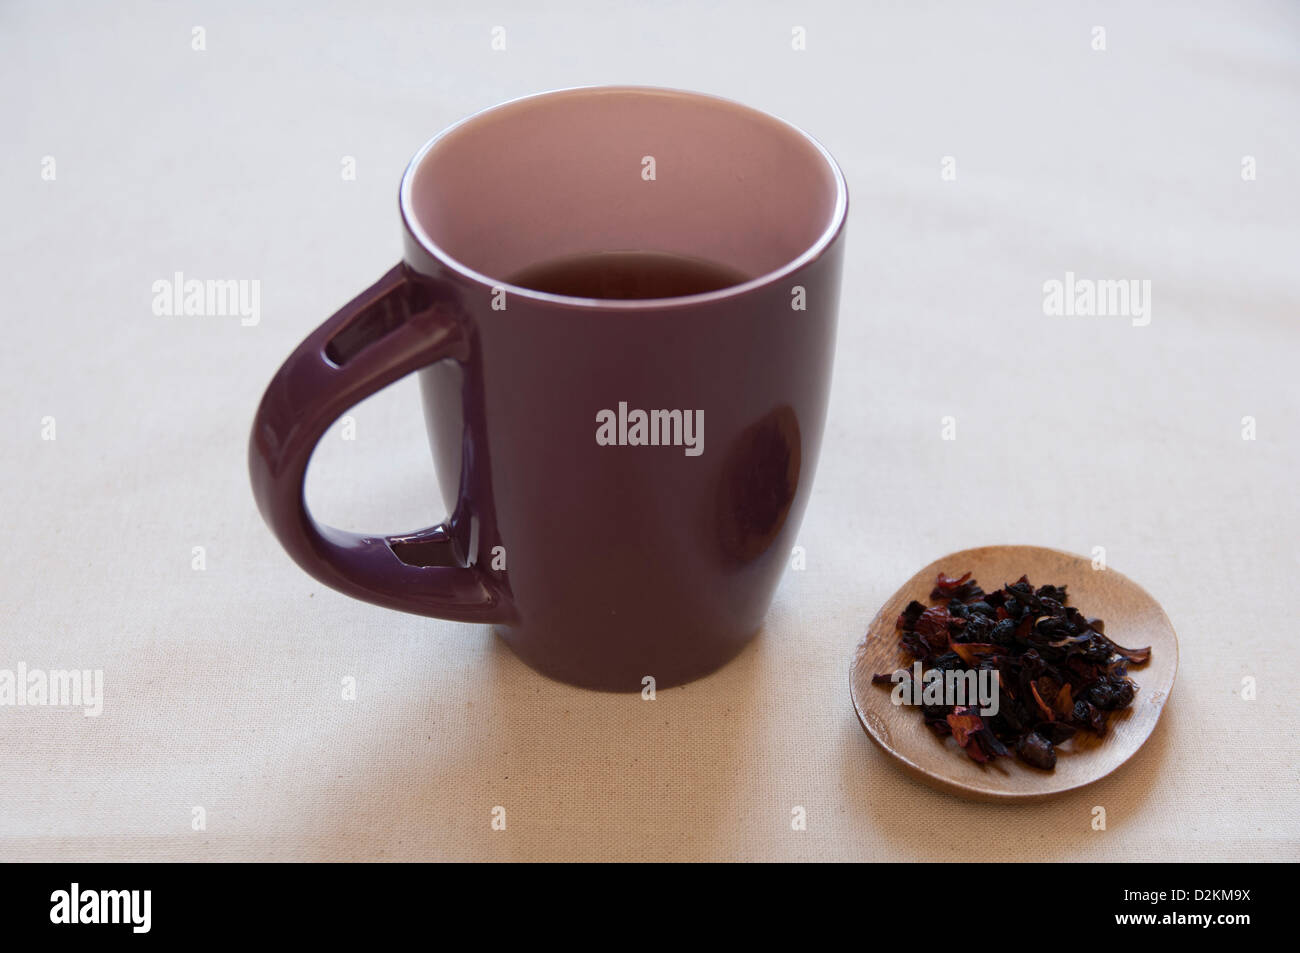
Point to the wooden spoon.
(1133, 619)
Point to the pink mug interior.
(599, 169)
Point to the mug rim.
(825, 239)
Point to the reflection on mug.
(759, 481)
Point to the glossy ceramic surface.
(600, 565)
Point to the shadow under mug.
(601, 558)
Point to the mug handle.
(394, 327)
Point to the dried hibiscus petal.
(963, 587)
(970, 652)
(934, 621)
(1042, 705)
(966, 726)
(907, 619)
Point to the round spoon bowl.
(1133, 619)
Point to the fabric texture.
(988, 150)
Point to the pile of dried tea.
(1057, 672)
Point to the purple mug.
(624, 477)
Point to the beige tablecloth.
(1169, 156)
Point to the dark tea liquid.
(627, 274)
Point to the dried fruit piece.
(1036, 750)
